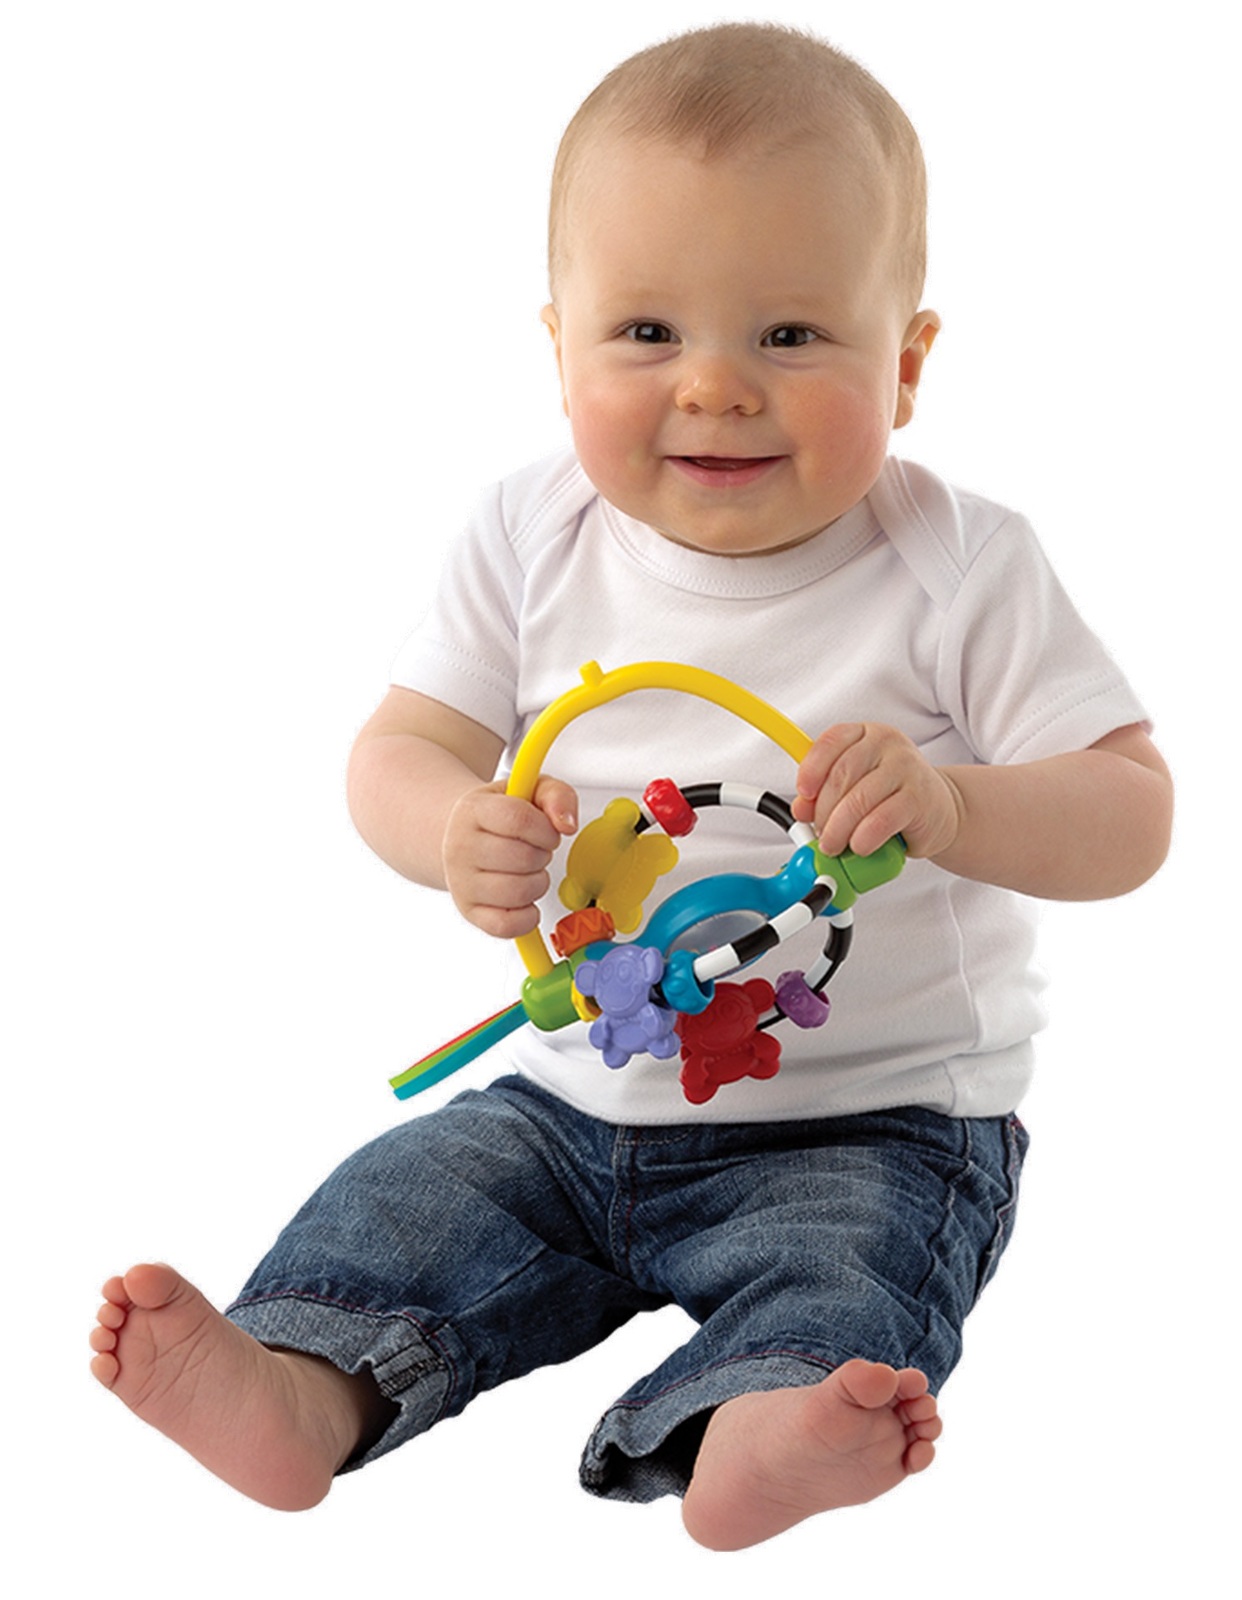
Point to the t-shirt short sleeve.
(1020, 673)
(465, 650)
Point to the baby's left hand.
(862, 782)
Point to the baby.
(736, 256)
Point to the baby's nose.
(718, 384)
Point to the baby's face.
(732, 338)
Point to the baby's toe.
(110, 1315)
(922, 1409)
(102, 1339)
(868, 1384)
(106, 1368)
(911, 1384)
(153, 1285)
(920, 1455)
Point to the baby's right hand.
(497, 850)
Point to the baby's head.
(736, 253)
(751, 89)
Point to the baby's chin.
(738, 537)
(740, 551)
(714, 519)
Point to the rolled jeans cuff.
(646, 1447)
(408, 1368)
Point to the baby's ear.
(552, 322)
(918, 340)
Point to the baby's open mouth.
(726, 463)
(725, 473)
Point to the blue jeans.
(507, 1231)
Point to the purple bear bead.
(620, 983)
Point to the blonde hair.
(740, 85)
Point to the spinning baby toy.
(657, 992)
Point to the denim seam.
(630, 1204)
(546, 1251)
(1005, 1213)
(934, 1241)
(549, 1145)
(416, 1370)
(625, 1189)
(635, 1134)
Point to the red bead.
(670, 808)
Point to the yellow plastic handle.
(599, 687)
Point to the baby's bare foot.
(274, 1424)
(770, 1460)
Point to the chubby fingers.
(497, 850)
(861, 783)
(559, 803)
(829, 774)
(821, 758)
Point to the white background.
(272, 275)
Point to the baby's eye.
(649, 333)
(789, 336)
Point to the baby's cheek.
(612, 440)
(850, 429)
(593, 416)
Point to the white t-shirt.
(923, 607)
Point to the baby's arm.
(421, 796)
(1082, 826)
